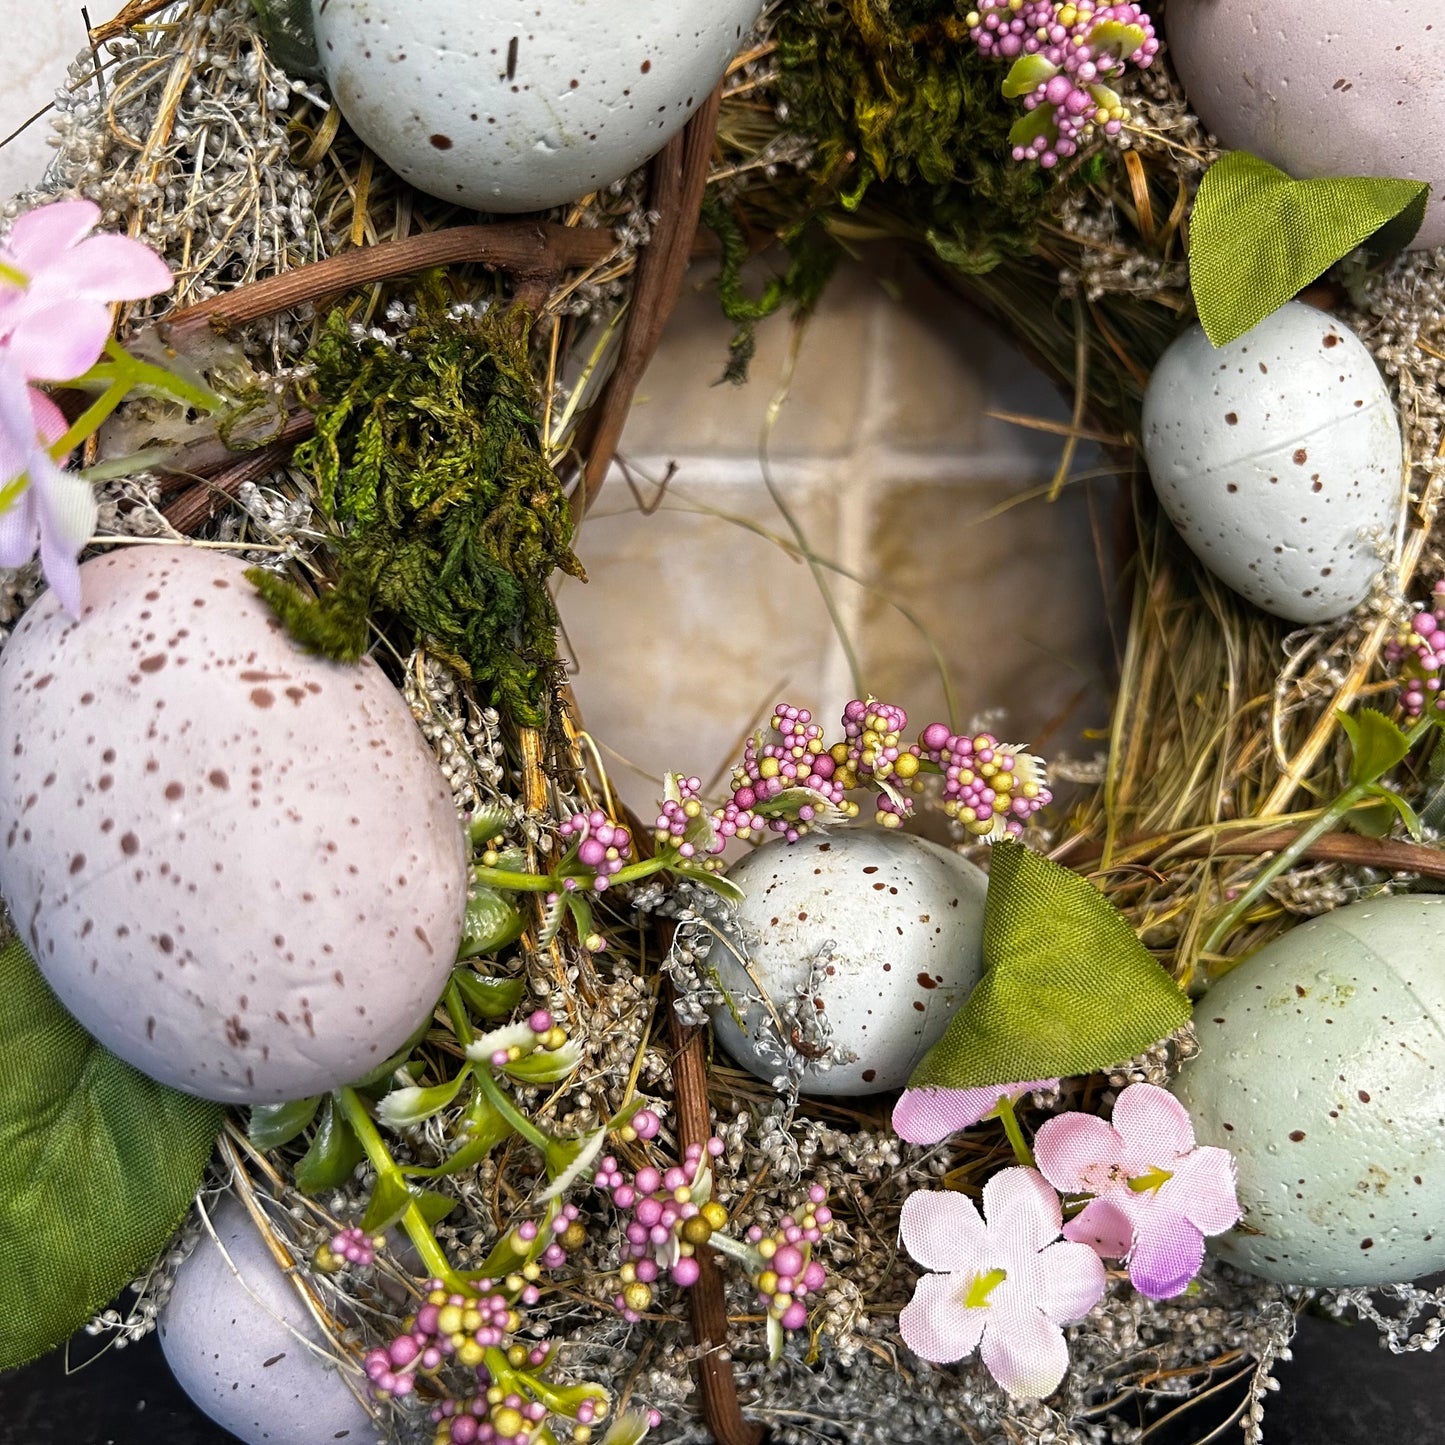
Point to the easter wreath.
(488, 1154)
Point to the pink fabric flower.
(926, 1116)
(1156, 1194)
(56, 511)
(55, 325)
(1005, 1287)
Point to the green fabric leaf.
(490, 922)
(1257, 237)
(1376, 744)
(1067, 986)
(389, 1201)
(1389, 798)
(488, 998)
(98, 1165)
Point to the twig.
(715, 1377)
(132, 14)
(679, 176)
(198, 505)
(526, 249)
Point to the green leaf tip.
(1067, 986)
(1258, 237)
(98, 1166)
(1376, 744)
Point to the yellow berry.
(518, 1356)
(768, 1281)
(637, 1296)
(906, 765)
(470, 1353)
(574, 1236)
(696, 1230)
(449, 1319)
(715, 1214)
(508, 1423)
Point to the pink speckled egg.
(1321, 87)
(237, 864)
(519, 105)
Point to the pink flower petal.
(936, 1324)
(1104, 1227)
(927, 1116)
(1069, 1281)
(105, 268)
(1154, 1124)
(40, 235)
(1071, 1148)
(1204, 1190)
(19, 531)
(57, 341)
(1024, 1352)
(1165, 1257)
(1023, 1214)
(49, 420)
(942, 1230)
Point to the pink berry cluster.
(992, 788)
(683, 822)
(1063, 54)
(799, 760)
(348, 1246)
(1418, 651)
(668, 1216)
(601, 846)
(448, 1326)
(789, 1273)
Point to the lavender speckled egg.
(875, 932)
(242, 1344)
(237, 864)
(1321, 87)
(1279, 460)
(1322, 1068)
(519, 105)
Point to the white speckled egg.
(1278, 458)
(230, 1332)
(1323, 1069)
(1321, 87)
(519, 105)
(890, 927)
(237, 864)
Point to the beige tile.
(683, 408)
(691, 626)
(1012, 600)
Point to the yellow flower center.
(983, 1285)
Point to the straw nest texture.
(1223, 738)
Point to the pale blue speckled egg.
(1323, 1071)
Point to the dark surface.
(1341, 1389)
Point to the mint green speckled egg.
(1323, 1071)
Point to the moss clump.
(905, 112)
(428, 459)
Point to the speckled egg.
(519, 105)
(1279, 460)
(1323, 1069)
(875, 932)
(1321, 87)
(230, 1333)
(237, 864)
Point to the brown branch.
(679, 177)
(211, 455)
(1360, 852)
(715, 1377)
(526, 249)
(132, 14)
(200, 503)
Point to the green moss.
(907, 115)
(450, 522)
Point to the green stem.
(498, 1099)
(91, 419)
(145, 374)
(379, 1156)
(457, 1011)
(512, 881)
(1011, 1126)
(1329, 819)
